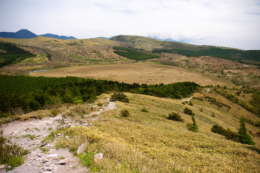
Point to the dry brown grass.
(135, 73)
(148, 142)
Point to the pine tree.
(193, 127)
(244, 137)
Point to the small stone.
(39, 155)
(98, 156)
(67, 137)
(47, 168)
(81, 149)
(63, 162)
(52, 156)
(44, 160)
(2, 166)
(59, 134)
(43, 144)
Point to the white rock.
(81, 149)
(63, 162)
(52, 156)
(44, 160)
(98, 156)
(47, 168)
(2, 166)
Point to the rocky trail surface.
(30, 134)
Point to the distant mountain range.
(24, 33)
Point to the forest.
(231, 54)
(12, 54)
(34, 93)
(133, 54)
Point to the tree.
(243, 136)
(193, 127)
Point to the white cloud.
(214, 22)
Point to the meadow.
(148, 73)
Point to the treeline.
(13, 54)
(34, 93)
(133, 54)
(231, 54)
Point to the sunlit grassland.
(80, 57)
(39, 58)
(148, 142)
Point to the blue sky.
(228, 23)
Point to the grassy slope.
(149, 44)
(148, 142)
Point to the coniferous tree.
(243, 136)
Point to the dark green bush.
(190, 103)
(193, 127)
(120, 97)
(243, 136)
(175, 117)
(125, 113)
(187, 111)
(144, 110)
(230, 135)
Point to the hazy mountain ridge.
(24, 33)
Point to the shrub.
(54, 112)
(144, 110)
(175, 117)
(218, 129)
(10, 154)
(77, 100)
(244, 137)
(201, 110)
(227, 133)
(125, 113)
(191, 104)
(213, 114)
(188, 111)
(193, 127)
(231, 135)
(120, 97)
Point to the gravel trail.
(55, 161)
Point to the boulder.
(81, 149)
(98, 156)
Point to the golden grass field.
(135, 73)
(148, 142)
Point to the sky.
(227, 23)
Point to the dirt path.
(187, 99)
(56, 161)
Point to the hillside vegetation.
(133, 54)
(35, 93)
(150, 142)
(232, 54)
(12, 54)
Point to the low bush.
(119, 97)
(144, 110)
(175, 117)
(55, 112)
(125, 113)
(230, 135)
(10, 154)
(188, 111)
